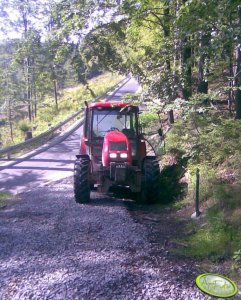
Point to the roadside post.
(197, 213)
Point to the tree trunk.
(34, 92)
(237, 73)
(187, 67)
(166, 31)
(35, 101)
(10, 120)
(91, 91)
(231, 83)
(176, 39)
(202, 65)
(56, 94)
(187, 70)
(29, 93)
(238, 83)
(27, 67)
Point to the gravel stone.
(54, 248)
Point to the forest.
(174, 48)
(186, 55)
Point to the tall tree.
(24, 17)
(10, 87)
(237, 71)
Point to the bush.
(147, 119)
(212, 141)
(3, 199)
(24, 126)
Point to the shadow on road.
(60, 162)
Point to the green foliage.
(206, 137)
(219, 236)
(237, 256)
(3, 199)
(24, 125)
(207, 181)
(171, 188)
(211, 141)
(148, 118)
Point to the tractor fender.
(143, 149)
(83, 149)
(78, 156)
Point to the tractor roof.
(109, 104)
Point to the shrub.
(148, 118)
(24, 126)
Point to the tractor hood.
(116, 148)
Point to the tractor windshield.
(107, 119)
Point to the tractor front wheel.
(150, 181)
(81, 180)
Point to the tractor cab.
(122, 119)
(116, 117)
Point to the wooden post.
(197, 193)
(56, 94)
(170, 116)
(28, 135)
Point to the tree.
(10, 87)
(237, 71)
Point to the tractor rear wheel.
(150, 181)
(81, 180)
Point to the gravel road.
(53, 248)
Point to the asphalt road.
(52, 164)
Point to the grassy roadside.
(3, 199)
(211, 141)
(70, 101)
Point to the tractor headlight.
(113, 155)
(123, 155)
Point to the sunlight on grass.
(217, 236)
(207, 243)
(3, 199)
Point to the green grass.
(218, 236)
(3, 199)
(70, 101)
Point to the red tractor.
(113, 153)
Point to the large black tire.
(150, 189)
(81, 180)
